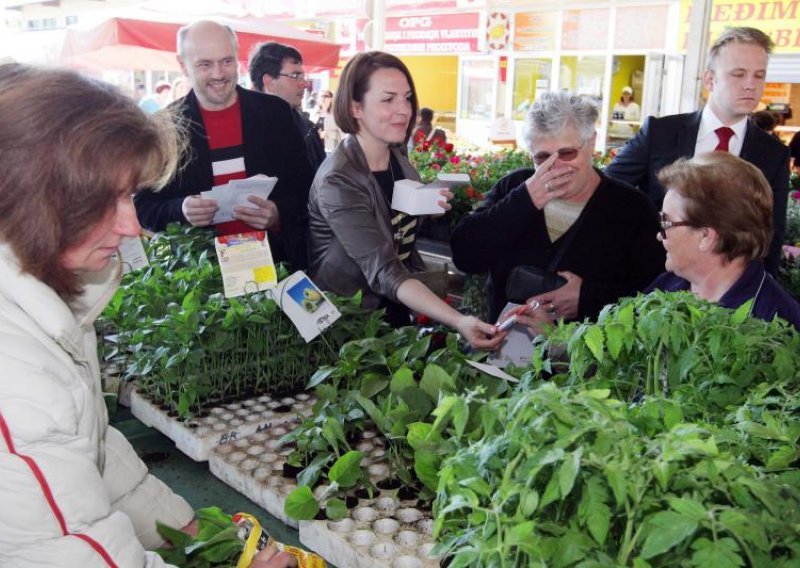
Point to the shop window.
(477, 89)
(531, 78)
(583, 75)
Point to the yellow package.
(256, 539)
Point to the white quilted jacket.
(72, 490)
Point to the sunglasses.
(564, 154)
(667, 224)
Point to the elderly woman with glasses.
(567, 217)
(716, 226)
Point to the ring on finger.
(547, 186)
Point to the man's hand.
(263, 216)
(561, 303)
(198, 211)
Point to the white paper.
(132, 255)
(517, 347)
(235, 194)
(417, 198)
(306, 305)
(493, 371)
(246, 263)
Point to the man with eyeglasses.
(234, 133)
(277, 69)
(734, 77)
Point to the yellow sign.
(780, 19)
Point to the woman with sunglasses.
(599, 232)
(716, 226)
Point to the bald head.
(198, 31)
(207, 56)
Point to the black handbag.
(527, 280)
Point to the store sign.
(780, 19)
(402, 6)
(585, 29)
(535, 31)
(441, 33)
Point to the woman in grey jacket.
(73, 490)
(358, 243)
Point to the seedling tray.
(385, 532)
(196, 437)
(253, 466)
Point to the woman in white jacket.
(72, 490)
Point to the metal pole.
(696, 50)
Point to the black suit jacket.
(663, 140)
(272, 146)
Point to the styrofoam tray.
(196, 437)
(253, 466)
(379, 533)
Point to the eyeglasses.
(297, 76)
(564, 154)
(667, 224)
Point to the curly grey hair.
(555, 111)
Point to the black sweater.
(614, 251)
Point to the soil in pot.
(389, 484)
(291, 471)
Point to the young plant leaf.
(335, 509)
(301, 505)
(346, 471)
(666, 529)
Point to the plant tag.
(309, 309)
(493, 371)
(517, 348)
(417, 198)
(245, 260)
(131, 254)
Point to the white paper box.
(453, 180)
(417, 198)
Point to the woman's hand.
(271, 558)
(448, 195)
(562, 303)
(549, 183)
(480, 335)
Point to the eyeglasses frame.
(665, 224)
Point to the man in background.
(234, 133)
(734, 77)
(277, 69)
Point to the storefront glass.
(477, 89)
(531, 78)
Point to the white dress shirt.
(707, 138)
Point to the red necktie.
(724, 134)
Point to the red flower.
(422, 319)
(470, 192)
(436, 166)
(455, 159)
(448, 147)
(796, 195)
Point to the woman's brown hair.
(355, 83)
(69, 147)
(729, 195)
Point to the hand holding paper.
(235, 194)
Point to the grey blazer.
(351, 242)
